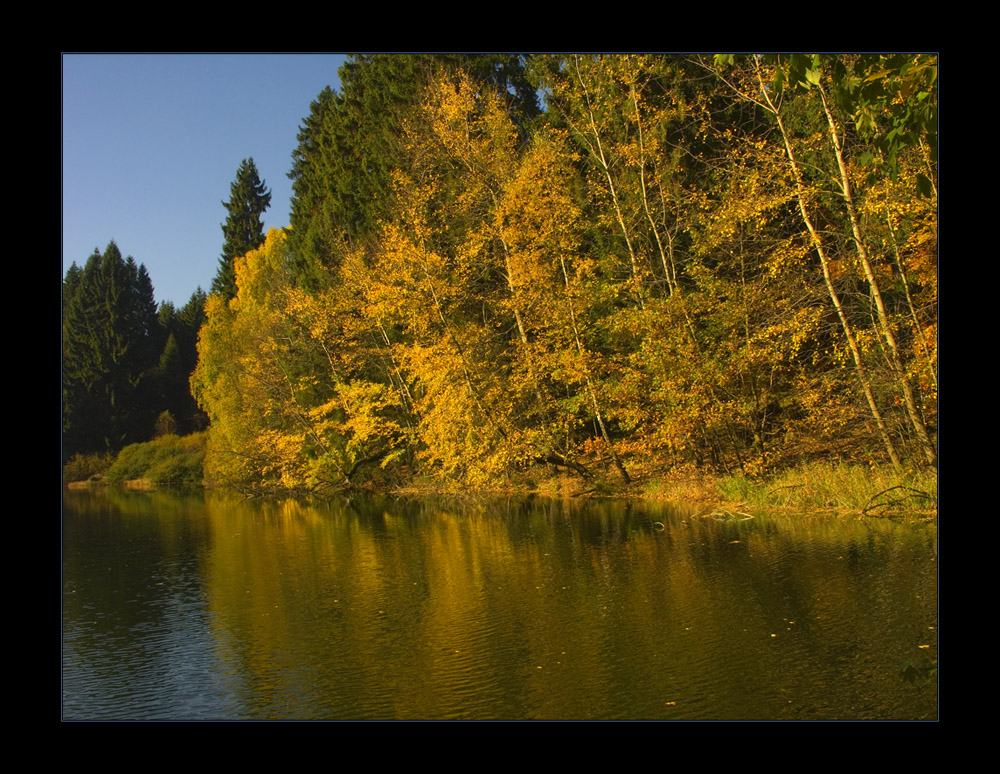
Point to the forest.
(501, 268)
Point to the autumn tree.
(864, 255)
(637, 125)
(476, 270)
(551, 279)
(678, 265)
(351, 143)
(277, 386)
(773, 84)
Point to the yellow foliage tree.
(285, 412)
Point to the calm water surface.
(211, 607)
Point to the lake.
(207, 606)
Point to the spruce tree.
(243, 230)
(109, 351)
(178, 339)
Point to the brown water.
(212, 607)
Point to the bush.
(83, 467)
(165, 425)
(168, 459)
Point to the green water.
(213, 607)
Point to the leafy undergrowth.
(87, 467)
(167, 460)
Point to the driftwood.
(869, 509)
(725, 514)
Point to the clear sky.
(151, 144)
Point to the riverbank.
(820, 486)
(835, 486)
(867, 490)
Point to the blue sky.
(151, 144)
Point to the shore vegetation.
(682, 276)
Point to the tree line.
(680, 262)
(127, 362)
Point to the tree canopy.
(125, 360)
(351, 143)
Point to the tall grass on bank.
(876, 491)
(167, 460)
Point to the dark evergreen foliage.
(110, 335)
(243, 230)
(350, 144)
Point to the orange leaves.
(536, 209)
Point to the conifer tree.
(244, 230)
(190, 318)
(109, 350)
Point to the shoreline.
(834, 488)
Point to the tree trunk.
(597, 150)
(897, 363)
(590, 387)
(825, 263)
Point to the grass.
(837, 486)
(832, 486)
(690, 486)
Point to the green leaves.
(924, 186)
(891, 98)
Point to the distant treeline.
(126, 362)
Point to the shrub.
(165, 425)
(83, 467)
(168, 459)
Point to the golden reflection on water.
(514, 609)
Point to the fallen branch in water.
(723, 514)
(871, 505)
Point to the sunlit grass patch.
(837, 486)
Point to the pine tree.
(177, 343)
(109, 351)
(244, 230)
(189, 320)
